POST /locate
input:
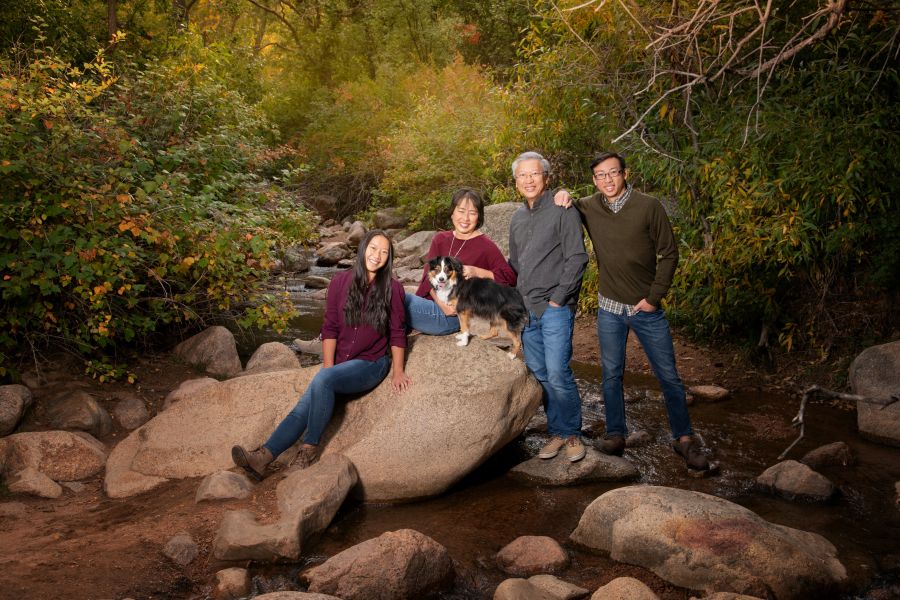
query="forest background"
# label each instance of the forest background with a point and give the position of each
(157, 155)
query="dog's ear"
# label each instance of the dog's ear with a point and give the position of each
(434, 263)
(455, 264)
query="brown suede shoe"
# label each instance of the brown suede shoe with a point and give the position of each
(305, 457)
(253, 463)
(612, 444)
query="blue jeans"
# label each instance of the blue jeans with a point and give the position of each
(314, 409)
(652, 330)
(547, 343)
(426, 316)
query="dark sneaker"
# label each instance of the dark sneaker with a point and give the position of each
(612, 444)
(552, 447)
(692, 454)
(254, 463)
(574, 449)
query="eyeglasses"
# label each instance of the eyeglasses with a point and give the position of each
(534, 175)
(612, 174)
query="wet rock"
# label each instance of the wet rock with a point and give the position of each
(316, 282)
(231, 584)
(708, 393)
(131, 412)
(346, 263)
(875, 373)
(521, 589)
(356, 232)
(223, 485)
(624, 588)
(699, 541)
(330, 253)
(557, 588)
(60, 455)
(296, 259)
(79, 410)
(295, 596)
(181, 549)
(637, 438)
(272, 356)
(496, 223)
(794, 480)
(14, 401)
(394, 566)
(595, 466)
(389, 218)
(473, 418)
(897, 494)
(532, 554)
(187, 389)
(726, 596)
(837, 454)
(32, 482)
(307, 501)
(213, 350)
(415, 245)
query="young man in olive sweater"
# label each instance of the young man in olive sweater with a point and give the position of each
(636, 259)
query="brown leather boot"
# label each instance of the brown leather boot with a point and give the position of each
(612, 444)
(306, 456)
(253, 463)
(690, 451)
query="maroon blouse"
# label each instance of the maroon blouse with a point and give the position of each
(476, 252)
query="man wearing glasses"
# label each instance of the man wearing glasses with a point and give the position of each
(546, 250)
(636, 258)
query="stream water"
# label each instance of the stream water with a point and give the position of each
(747, 432)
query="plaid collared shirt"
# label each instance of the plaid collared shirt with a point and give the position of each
(608, 304)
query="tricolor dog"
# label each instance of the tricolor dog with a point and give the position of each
(485, 298)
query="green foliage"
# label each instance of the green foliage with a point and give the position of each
(131, 204)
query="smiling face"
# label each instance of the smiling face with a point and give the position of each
(464, 218)
(530, 179)
(609, 177)
(377, 253)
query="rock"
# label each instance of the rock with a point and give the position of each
(897, 493)
(181, 549)
(394, 566)
(532, 554)
(356, 232)
(272, 356)
(637, 438)
(131, 412)
(330, 253)
(324, 204)
(346, 263)
(416, 245)
(231, 584)
(471, 419)
(557, 588)
(875, 373)
(595, 466)
(836, 454)
(14, 401)
(296, 259)
(624, 588)
(60, 455)
(76, 487)
(794, 480)
(726, 596)
(408, 276)
(703, 542)
(316, 282)
(295, 596)
(31, 481)
(307, 501)
(408, 262)
(186, 389)
(79, 410)
(708, 393)
(496, 223)
(389, 218)
(13, 510)
(213, 350)
(521, 589)
(223, 485)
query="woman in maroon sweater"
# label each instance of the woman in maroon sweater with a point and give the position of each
(364, 315)
(480, 258)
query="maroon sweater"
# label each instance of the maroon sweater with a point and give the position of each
(476, 252)
(362, 341)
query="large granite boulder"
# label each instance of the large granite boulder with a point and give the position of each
(496, 223)
(875, 373)
(415, 245)
(14, 401)
(595, 466)
(796, 481)
(390, 218)
(60, 455)
(404, 445)
(331, 253)
(703, 542)
(272, 356)
(214, 350)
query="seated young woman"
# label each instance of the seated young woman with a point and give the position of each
(480, 258)
(363, 336)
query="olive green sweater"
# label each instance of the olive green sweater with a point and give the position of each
(635, 248)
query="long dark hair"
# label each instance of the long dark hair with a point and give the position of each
(365, 303)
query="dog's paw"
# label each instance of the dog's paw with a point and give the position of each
(511, 355)
(462, 339)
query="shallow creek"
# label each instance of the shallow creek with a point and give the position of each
(747, 432)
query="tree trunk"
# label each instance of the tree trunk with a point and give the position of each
(112, 20)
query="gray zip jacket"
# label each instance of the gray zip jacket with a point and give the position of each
(546, 250)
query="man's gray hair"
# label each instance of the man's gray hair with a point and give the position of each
(545, 164)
